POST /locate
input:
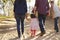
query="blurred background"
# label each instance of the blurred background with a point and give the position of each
(6, 7)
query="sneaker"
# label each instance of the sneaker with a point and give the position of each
(56, 30)
(18, 39)
(41, 34)
(22, 37)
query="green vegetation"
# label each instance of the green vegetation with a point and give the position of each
(7, 0)
(4, 17)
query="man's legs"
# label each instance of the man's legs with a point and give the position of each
(40, 18)
(56, 24)
(44, 18)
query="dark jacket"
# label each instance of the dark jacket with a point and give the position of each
(20, 7)
(42, 6)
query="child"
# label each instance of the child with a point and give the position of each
(56, 15)
(33, 20)
(33, 24)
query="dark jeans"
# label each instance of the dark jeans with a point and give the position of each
(20, 19)
(56, 24)
(41, 19)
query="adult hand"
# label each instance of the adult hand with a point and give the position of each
(35, 8)
(48, 13)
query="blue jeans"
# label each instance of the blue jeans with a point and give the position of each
(41, 19)
(20, 19)
(56, 24)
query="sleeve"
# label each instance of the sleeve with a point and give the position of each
(26, 5)
(47, 5)
(14, 5)
(36, 2)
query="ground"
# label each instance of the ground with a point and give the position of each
(8, 31)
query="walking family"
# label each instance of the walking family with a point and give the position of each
(42, 7)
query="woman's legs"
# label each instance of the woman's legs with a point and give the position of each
(22, 25)
(20, 19)
(18, 26)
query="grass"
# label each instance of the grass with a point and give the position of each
(4, 17)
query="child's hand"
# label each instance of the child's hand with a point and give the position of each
(34, 10)
(28, 16)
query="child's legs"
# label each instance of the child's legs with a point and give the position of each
(56, 23)
(33, 32)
